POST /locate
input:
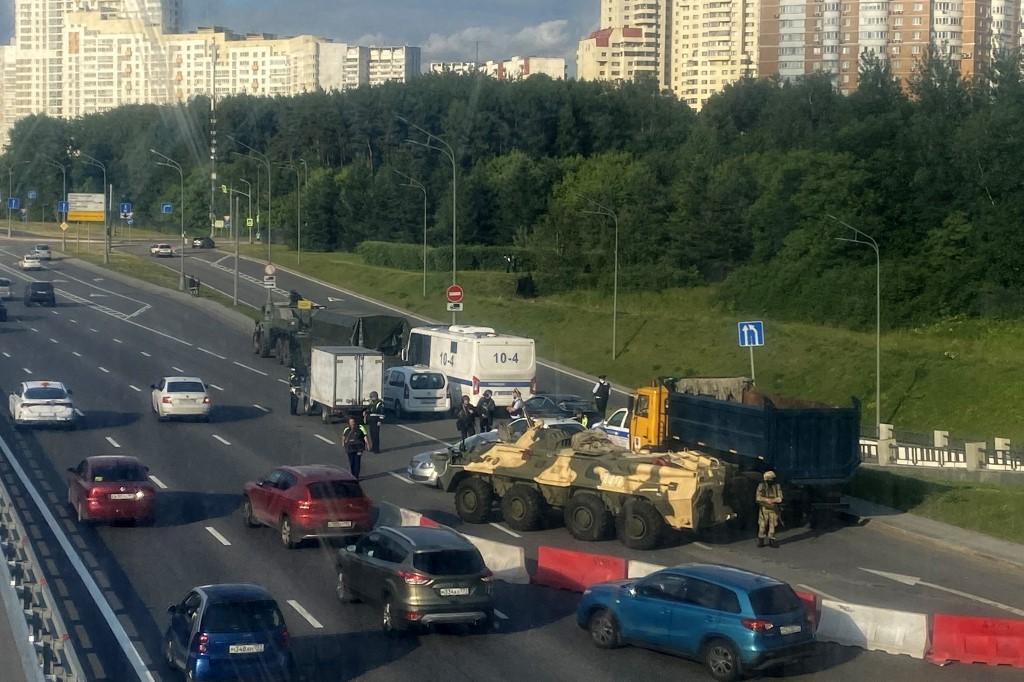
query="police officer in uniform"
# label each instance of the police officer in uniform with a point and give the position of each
(353, 438)
(374, 419)
(602, 390)
(582, 419)
(769, 498)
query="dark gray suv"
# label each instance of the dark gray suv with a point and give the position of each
(417, 576)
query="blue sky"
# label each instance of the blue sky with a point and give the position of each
(445, 29)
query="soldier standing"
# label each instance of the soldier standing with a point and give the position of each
(374, 419)
(465, 420)
(353, 438)
(602, 390)
(485, 408)
(769, 497)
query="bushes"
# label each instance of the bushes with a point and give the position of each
(439, 259)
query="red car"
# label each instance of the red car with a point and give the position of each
(111, 488)
(311, 501)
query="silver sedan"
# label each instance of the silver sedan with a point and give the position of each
(180, 397)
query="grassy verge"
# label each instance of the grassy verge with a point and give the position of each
(87, 230)
(993, 510)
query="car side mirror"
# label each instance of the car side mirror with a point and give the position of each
(262, 483)
(72, 470)
(631, 590)
(350, 548)
(153, 386)
(68, 391)
(172, 609)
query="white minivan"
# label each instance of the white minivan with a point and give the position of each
(415, 389)
(5, 288)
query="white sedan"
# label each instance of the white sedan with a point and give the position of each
(42, 402)
(42, 251)
(161, 250)
(30, 261)
(180, 397)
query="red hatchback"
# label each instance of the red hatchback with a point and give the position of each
(311, 501)
(111, 488)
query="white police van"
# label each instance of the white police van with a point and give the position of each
(476, 359)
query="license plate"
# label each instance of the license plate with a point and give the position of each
(122, 496)
(454, 591)
(339, 524)
(245, 648)
(790, 629)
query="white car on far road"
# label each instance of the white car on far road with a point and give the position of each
(42, 251)
(161, 250)
(180, 397)
(30, 261)
(42, 403)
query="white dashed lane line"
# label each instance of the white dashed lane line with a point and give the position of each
(216, 387)
(53, 340)
(178, 369)
(701, 545)
(503, 529)
(210, 352)
(104, 370)
(34, 329)
(118, 341)
(401, 478)
(54, 312)
(220, 538)
(261, 408)
(253, 369)
(6, 354)
(26, 370)
(135, 388)
(76, 353)
(113, 443)
(301, 610)
(79, 412)
(156, 481)
(326, 440)
(284, 381)
(221, 440)
(145, 354)
(94, 331)
(72, 321)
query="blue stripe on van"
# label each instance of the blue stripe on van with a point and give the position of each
(491, 384)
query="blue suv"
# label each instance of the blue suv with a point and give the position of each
(732, 620)
(228, 632)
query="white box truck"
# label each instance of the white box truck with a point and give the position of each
(339, 382)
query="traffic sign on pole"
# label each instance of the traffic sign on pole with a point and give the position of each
(249, 222)
(750, 335)
(64, 227)
(32, 195)
(269, 282)
(270, 270)
(455, 307)
(126, 207)
(166, 207)
(62, 207)
(13, 203)
(455, 293)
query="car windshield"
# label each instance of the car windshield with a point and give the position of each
(40, 286)
(4, 282)
(774, 600)
(424, 381)
(45, 393)
(42, 247)
(334, 490)
(118, 472)
(448, 562)
(185, 387)
(250, 616)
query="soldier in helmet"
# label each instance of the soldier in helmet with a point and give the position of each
(769, 498)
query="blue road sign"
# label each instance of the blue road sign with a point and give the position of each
(750, 333)
(126, 207)
(62, 207)
(32, 195)
(13, 203)
(166, 207)
(131, 221)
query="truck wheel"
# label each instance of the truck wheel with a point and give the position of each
(293, 404)
(587, 518)
(523, 507)
(640, 526)
(473, 500)
(307, 407)
(325, 414)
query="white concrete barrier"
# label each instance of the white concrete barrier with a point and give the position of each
(393, 515)
(639, 569)
(867, 627)
(507, 562)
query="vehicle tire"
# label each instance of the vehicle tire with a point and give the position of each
(306, 407)
(284, 533)
(257, 347)
(80, 512)
(523, 508)
(388, 623)
(293, 404)
(604, 630)
(721, 660)
(587, 518)
(640, 526)
(399, 412)
(474, 498)
(345, 595)
(248, 518)
(168, 656)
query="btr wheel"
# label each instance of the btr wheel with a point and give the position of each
(640, 525)
(721, 660)
(604, 630)
(586, 518)
(474, 498)
(523, 508)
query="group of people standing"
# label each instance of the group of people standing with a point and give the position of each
(467, 414)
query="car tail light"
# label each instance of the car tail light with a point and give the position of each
(757, 624)
(533, 385)
(285, 637)
(95, 493)
(206, 400)
(412, 615)
(166, 400)
(202, 643)
(476, 386)
(405, 394)
(487, 576)
(306, 504)
(413, 578)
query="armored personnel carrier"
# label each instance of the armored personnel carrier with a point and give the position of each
(599, 487)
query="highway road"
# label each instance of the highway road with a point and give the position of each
(109, 340)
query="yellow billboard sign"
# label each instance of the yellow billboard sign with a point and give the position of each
(86, 208)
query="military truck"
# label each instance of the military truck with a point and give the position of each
(599, 487)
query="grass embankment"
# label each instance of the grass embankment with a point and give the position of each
(84, 231)
(994, 510)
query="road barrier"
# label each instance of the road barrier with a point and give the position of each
(575, 571)
(639, 569)
(506, 562)
(867, 627)
(392, 515)
(994, 641)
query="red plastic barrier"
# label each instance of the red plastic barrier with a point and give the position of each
(812, 606)
(568, 570)
(429, 522)
(995, 641)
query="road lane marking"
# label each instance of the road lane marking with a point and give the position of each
(261, 408)
(79, 412)
(104, 370)
(210, 352)
(26, 370)
(54, 312)
(220, 538)
(34, 329)
(818, 592)
(300, 609)
(158, 482)
(503, 529)
(216, 387)
(326, 440)
(6, 354)
(178, 369)
(135, 388)
(400, 477)
(914, 580)
(284, 382)
(94, 331)
(701, 545)
(53, 340)
(253, 369)
(76, 353)
(218, 438)
(421, 434)
(118, 341)
(499, 614)
(73, 321)
(113, 442)
(145, 354)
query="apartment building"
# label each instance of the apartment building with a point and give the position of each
(713, 43)
(459, 68)
(653, 18)
(619, 54)
(393, 64)
(515, 68)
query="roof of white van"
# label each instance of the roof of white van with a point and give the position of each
(466, 330)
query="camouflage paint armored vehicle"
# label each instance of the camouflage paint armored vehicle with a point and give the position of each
(598, 486)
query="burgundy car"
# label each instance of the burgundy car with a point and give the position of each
(111, 488)
(310, 501)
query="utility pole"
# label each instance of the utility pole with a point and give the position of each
(599, 209)
(213, 139)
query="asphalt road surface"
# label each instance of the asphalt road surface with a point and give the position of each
(109, 341)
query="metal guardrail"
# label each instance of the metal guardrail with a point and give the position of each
(1008, 460)
(47, 634)
(868, 452)
(920, 455)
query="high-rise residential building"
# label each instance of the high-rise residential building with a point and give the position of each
(651, 17)
(618, 54)
(515, 68)
(459, 68)
(393, 64)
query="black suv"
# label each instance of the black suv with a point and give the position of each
(417, 576)
(202, 243)
(40, 292)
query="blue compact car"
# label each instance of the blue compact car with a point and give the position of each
(228, 632)
(732, 620)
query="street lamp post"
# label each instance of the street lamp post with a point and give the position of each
(270, 191)
(600, 209)
(233, 195)
(64, 198)
(868, 240)
(298, 210)
(248, 215)
(446, 150)
(412, 182)
(171, 163)
(92, 161)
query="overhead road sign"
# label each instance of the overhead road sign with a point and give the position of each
(86, 208)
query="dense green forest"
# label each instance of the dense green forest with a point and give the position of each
(738, 195)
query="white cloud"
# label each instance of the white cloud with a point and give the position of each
(371, 39)
(547, 39)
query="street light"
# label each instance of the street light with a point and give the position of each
(64, 198)
(248, 215)
(599, 209)
(867, 240)
(412, 182)
(10, 193)
(298, 209)
(171, 163)
(93, 161)
(447, 150)
(233, 203)
(270, 191)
